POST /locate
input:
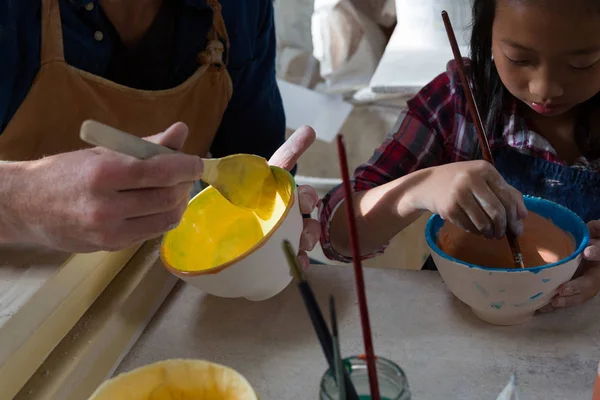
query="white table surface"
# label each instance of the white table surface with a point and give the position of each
(445, 351)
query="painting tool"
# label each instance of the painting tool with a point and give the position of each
(339, 364)
(245, 180)
(358, 272)
(481, 135)
(316, 316)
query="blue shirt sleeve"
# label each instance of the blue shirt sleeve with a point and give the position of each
(254, 121)
(8, 57)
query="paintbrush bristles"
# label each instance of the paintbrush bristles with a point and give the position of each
(294, 264)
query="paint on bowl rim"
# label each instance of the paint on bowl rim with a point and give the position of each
(435, 222)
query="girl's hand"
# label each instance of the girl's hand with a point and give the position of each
(472, 195)
(587, 280)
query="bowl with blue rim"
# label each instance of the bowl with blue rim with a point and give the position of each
(510, 296)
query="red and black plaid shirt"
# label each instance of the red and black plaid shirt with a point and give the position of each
(435, 129)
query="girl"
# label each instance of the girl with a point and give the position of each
(535, 67)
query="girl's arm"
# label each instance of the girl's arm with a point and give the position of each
(380, 213)
(383, 184)
(423, 165)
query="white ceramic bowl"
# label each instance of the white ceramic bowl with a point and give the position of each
(510, 296)
(227, 252)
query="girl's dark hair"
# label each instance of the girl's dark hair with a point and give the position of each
(491, 96)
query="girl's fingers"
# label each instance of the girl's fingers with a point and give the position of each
(459, 218)
(477, 216)
(513, 204)
(592, 252)
(493, 207)
(594, 227)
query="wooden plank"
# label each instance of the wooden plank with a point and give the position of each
(41, 318)
(23, 270)
(93, 349)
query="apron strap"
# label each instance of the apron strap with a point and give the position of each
(52, 38)
(218, 30)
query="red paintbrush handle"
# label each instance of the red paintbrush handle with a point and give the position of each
(358, 272)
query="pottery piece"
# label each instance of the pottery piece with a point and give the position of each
(228, 251)
(510, 296)
(177, 379)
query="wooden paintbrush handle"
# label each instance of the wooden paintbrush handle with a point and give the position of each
(481, 135)
(98, 134)
(515, 249)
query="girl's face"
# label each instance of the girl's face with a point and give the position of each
(547, 52)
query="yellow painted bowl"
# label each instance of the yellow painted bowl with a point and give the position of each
(228, 251)
(177, 379)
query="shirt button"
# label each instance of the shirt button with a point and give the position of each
(89, 6)
(98, 36)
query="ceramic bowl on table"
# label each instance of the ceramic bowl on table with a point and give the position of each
(175, 379)
(228, 251)
(510, 296)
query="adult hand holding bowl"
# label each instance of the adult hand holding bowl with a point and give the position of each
(229, 251)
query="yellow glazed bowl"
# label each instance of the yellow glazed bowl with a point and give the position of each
(177, 379)
(228, 251)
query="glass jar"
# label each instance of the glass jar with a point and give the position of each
(393, 384)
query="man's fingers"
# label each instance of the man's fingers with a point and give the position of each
(144, 202)
(310, 234)
(308, 199)
(160, 171)
(288, 154)
(304, 260)
(174, 137)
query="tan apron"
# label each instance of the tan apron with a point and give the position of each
(62, 97)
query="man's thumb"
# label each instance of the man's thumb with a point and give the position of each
(174, 137)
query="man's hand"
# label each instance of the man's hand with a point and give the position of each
(96, 199)
(286, 157)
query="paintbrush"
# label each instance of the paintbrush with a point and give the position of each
(358, 272)
(481, 136)
(337, 356)
(316, 316)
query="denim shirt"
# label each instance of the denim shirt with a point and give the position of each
(254, 121)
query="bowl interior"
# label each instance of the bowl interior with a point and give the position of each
(214, 233)
(561, 216)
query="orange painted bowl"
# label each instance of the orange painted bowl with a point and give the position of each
(177, 379)
(228, 251)
(510, 296)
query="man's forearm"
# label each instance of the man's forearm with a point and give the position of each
(10, 179)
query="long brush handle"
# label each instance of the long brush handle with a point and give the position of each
(482, 137)
(358, 272)
(324, 336)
